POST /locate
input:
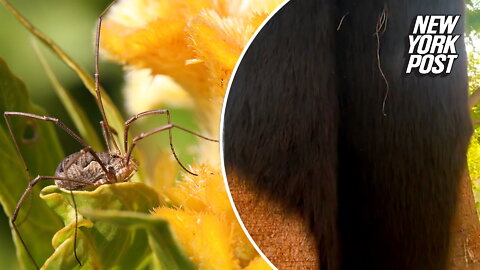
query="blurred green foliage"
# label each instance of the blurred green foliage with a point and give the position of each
(108, 245)
(42, 152)
(71, 25)
(472, 41)
(473, 16)
(474, 85)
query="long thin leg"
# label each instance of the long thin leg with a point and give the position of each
(105, 136)
(76, 229)
(97, 73)
(31, 184)
(10, 130)
(138, 116)
(27, 213)
(107, 174)
(59, 123)
(166, 127)
(170, 137)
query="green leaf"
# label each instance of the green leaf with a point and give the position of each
(100, 245)
(472, 20)
(39, 145)
(75, 111)
(114, 117)
(168, 253)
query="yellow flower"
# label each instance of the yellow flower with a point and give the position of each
(195, 42)
(257, 264)
(147, 92)
(182, 53)
(205, 224)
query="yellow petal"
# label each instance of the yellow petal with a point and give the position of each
(196, 43)
(258, 264)
(144, 91)
(203, 193)
(206, 238)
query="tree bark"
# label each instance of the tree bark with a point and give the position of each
(466, 231)
(281, 236)
(287, 243)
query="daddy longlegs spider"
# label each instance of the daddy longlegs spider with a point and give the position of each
(87, 167)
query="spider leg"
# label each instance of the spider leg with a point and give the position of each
(59, 123)
(105, 136)
(168, 127)
(72, 161)
(97, 76)
(147, 113)
(86, 148)
(138, 116)
(31, 184)
(8, 115)
(76, 229)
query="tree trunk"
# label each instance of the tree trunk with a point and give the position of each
(466, 231)
(285, 240)
(281, 236)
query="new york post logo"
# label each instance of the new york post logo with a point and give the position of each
(432, 44)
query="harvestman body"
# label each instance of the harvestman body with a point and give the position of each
(88, 168)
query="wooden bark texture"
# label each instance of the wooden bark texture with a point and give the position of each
(466, 231)
(287, 243)
(282, 237)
